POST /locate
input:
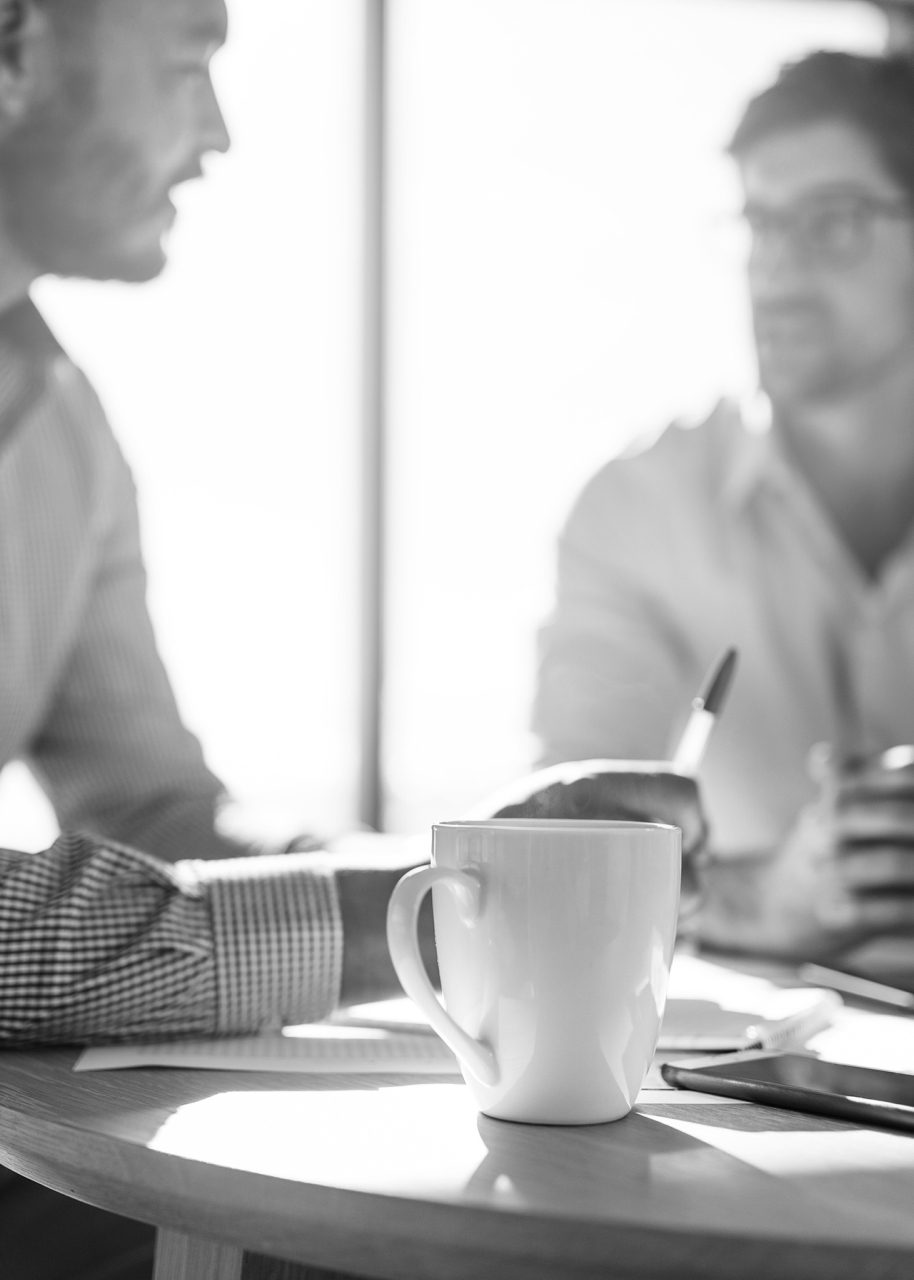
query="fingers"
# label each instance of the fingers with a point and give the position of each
(886, 776)
(882, 868)
(872, 821)
(874, 890)
(874, 849)
(867, 914)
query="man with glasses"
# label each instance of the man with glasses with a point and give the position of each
(785, 528)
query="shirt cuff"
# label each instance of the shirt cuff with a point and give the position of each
(278, 939)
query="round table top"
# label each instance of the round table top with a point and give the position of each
(400, 1177)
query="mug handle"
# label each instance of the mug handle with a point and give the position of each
(402, 923)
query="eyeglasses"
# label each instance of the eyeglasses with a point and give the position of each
(824, 231)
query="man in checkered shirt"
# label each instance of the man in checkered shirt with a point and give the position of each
(105, 106)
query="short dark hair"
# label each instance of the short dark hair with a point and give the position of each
(875, 93)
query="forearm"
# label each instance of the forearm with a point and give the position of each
(101, 941)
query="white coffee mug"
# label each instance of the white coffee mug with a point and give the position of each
(554, 942)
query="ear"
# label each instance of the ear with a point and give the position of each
(25, 58)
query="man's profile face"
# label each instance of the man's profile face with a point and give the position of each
(833, 310)
(86, 180)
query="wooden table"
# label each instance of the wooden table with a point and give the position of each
(399, 1178)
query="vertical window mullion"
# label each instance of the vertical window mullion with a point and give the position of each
(373, 458)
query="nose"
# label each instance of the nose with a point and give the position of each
(778, 264)
(213, 131)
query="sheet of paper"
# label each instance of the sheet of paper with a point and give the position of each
(709, 1008)
(316, 1049)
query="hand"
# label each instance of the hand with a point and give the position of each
(789, 903)
(366, 871)
(844, 874)
(633, 790)
(874, 840)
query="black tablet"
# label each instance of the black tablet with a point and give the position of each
(801, 1082)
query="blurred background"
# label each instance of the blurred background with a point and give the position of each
(461, 253)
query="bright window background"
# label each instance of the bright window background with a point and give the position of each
(555, 289)
(232, 383)
(553, 175)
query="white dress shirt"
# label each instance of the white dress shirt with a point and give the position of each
(84, 697)
(98, 939)
(707, 538)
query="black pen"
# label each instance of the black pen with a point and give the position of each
(705, 710)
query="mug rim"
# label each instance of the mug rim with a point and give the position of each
(552, 824)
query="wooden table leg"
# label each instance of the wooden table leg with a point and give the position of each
(183, 1257)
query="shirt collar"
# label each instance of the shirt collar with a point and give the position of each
(23, 330)
(755, 456)
(27, 349)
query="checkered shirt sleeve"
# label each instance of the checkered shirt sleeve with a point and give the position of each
(99, 941)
